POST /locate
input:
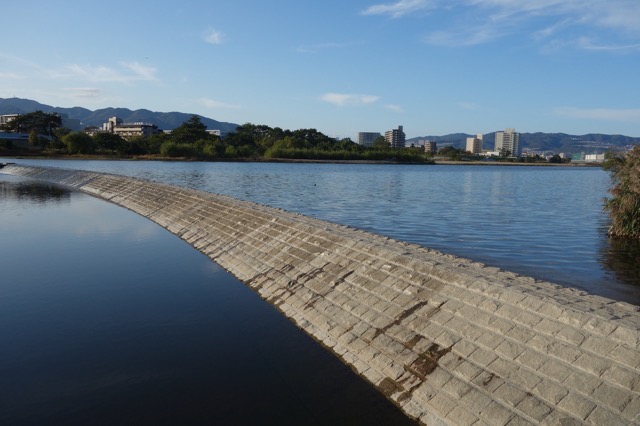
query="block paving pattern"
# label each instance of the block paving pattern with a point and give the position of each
(449, 340)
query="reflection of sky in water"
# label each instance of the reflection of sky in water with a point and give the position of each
(106, 318)
(539, 221)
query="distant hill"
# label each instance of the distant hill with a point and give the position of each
(556, 142)
(164, 120)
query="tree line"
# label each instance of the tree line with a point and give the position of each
(192, 141)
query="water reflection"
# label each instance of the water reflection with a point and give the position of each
(118, 328)
(34, 192)
(622, 257)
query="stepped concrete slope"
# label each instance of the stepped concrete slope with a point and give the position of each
(449, 340)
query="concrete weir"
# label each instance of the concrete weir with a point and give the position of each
(449, 340)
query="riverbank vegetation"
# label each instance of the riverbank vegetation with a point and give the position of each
(192, 141)
(624, 205)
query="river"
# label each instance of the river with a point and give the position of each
(545, 222)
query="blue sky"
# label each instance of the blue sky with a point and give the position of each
(433, 66)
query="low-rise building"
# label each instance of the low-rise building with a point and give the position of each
(6, 118)
(430, 147)
(129, 130)
(594, 158)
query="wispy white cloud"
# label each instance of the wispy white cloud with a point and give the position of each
(464, 36)
(82, 92)
(140, 72)
(399, 9)
(211, 103)
(342, 99)
(589, 44)
(604, 114)
(126, 73)
(551, 22)
(10, 76)
(213, 36)
(394, 108)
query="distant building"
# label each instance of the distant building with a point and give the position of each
(14, 140)
(395, 138)
(367, 138)
(474, 144)
(430, 147)
(594, 158)
(6, 118)
(66, 122)
(129, 130)
(509, 140)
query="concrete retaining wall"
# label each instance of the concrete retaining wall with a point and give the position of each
(451, 341)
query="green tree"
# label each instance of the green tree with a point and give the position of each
(624, 205)
(109, 141)
(79, 143)
(380, 143)
(34, 138)
(40, 122)
(505, 153)
(190, 131)
(451, 152)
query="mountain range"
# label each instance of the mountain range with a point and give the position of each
(556, 142)
(164, 120)
(553, 142)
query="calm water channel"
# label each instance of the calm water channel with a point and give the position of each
(106, 318)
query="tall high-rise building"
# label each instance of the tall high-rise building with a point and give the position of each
(395, 138)
(474, 145)
(367, 138)
(509, 140)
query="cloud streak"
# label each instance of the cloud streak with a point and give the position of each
(398, 9)
(127, 72)
(342, 99)
(83, 92)
(213, 104)
(557, 22)
(213, 36)
(394, 108)
(603, 114)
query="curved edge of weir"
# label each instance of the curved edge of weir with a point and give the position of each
(449, 340)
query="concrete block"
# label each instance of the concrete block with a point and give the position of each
(534, 408)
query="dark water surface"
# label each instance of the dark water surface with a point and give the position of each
(106, 318)
(545, 222)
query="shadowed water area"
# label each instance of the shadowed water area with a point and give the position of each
(106, 318)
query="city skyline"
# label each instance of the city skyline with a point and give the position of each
(436, 67)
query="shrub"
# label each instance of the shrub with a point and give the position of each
(624, 205)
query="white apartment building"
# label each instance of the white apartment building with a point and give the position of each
(474, 144)
(129, 130)
(509, 140)
(6, 118)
